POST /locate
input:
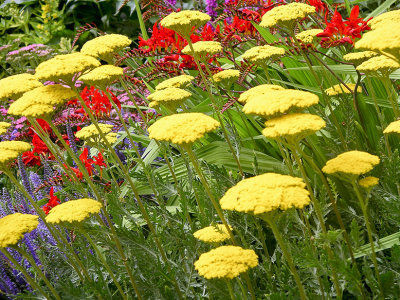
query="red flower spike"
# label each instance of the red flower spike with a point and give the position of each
(87, 161)
(99, 160)
(53, 201)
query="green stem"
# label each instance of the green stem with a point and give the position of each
(391, 95)
(230, 289)
(143, 28)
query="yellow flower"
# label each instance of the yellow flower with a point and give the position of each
(225, 262)
(203, 48)
(359, 57)
(3, 127)
(340, 89)
(212, 234)
(28, 109)
(105, 46)
(293, 126)
(65, 66)
(73, 211)
(91, 131)
(17, 146)
(102, 76)
(181, 82)
(390, 16)
(182, 22)
(7, 156)
(286, 15)
(13, 227)
(352, 163)
(368, 182)
(279, 102)
(308, 36)
(393, 127)
(226, 77)
(170, 94)
(258, 91)
(265, 193)
(379, 65)
(182, 129)
(262, 54)
(48, 95)
(12, 87)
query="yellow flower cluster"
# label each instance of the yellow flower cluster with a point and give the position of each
(181, 81)
(3, 127)
(73, 211)
(258, 91)
(213, 234)
(262, 54)
(308, 36)
(102, 76)
(293, 126)
(286, 15)
(225, 262)
(182, 129)
(368, 182)
(393, 127)
(65, 66)
(92, 132)
(226, 77)
(13, 227)
(379, 65)
(352, 163)
(340, 89)
(359, 57)
(203, 48)
(279, 102)
(171, 97)
(388, 17)
(265, 193)
(105, 46)
(10, 150)
(182, 22)
(12, 87)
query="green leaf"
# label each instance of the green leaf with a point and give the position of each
(383, 243)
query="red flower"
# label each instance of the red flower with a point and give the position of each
(99, 160)
(84, 157)
(53, 201)
(77, 172)
(30, 159)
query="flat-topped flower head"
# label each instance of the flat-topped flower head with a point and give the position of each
(55, 94)
(182, 129)
(213, 234)
(263, 54)
(181, 81)
(203, 49)
(265, 193)
(102, 76)
(65, 66)
(286, 15)
(340, 89)
(170, 97)
(393, 127)
(382, 19)
(293, 127)
(7, 156)
(73, 211)
(226, 77)
(18, 146)
(91, 131)
(258, 91)
(351, 163)
(13, 227)
(359, 57)
(368, 182)
(12, 87)
(308, 36)
(105, 46)
(225, 262)
(26, 108)
(3, 127)
(379, 66)
(185, 21)
(279, 102)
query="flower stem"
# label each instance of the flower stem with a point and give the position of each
(230, 289)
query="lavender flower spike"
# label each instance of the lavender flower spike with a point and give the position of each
(24, 177)
(71, 138)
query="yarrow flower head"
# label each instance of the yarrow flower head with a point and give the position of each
(359, 57)
(13, 227)
(12, 87)
(308, 36)
(183, 128)
(73, 211)
(393, 127)
(212, 234)
(31, 110)
(185, 21)
(10, 150)
(385, 18)
(91, 131)
(293, 127)
(171, 97)
(340, 89)
(3, 127)
(260, 55)
(203, 48)
(266, 193)
(105, 46)
(102, 76)
(181, 81)
(351, 164)
(379, 66)
(286, 15)
(226, 77)
(226, 262)
(368, 182)
(279, 102)
(65, 66)
(258, 91)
